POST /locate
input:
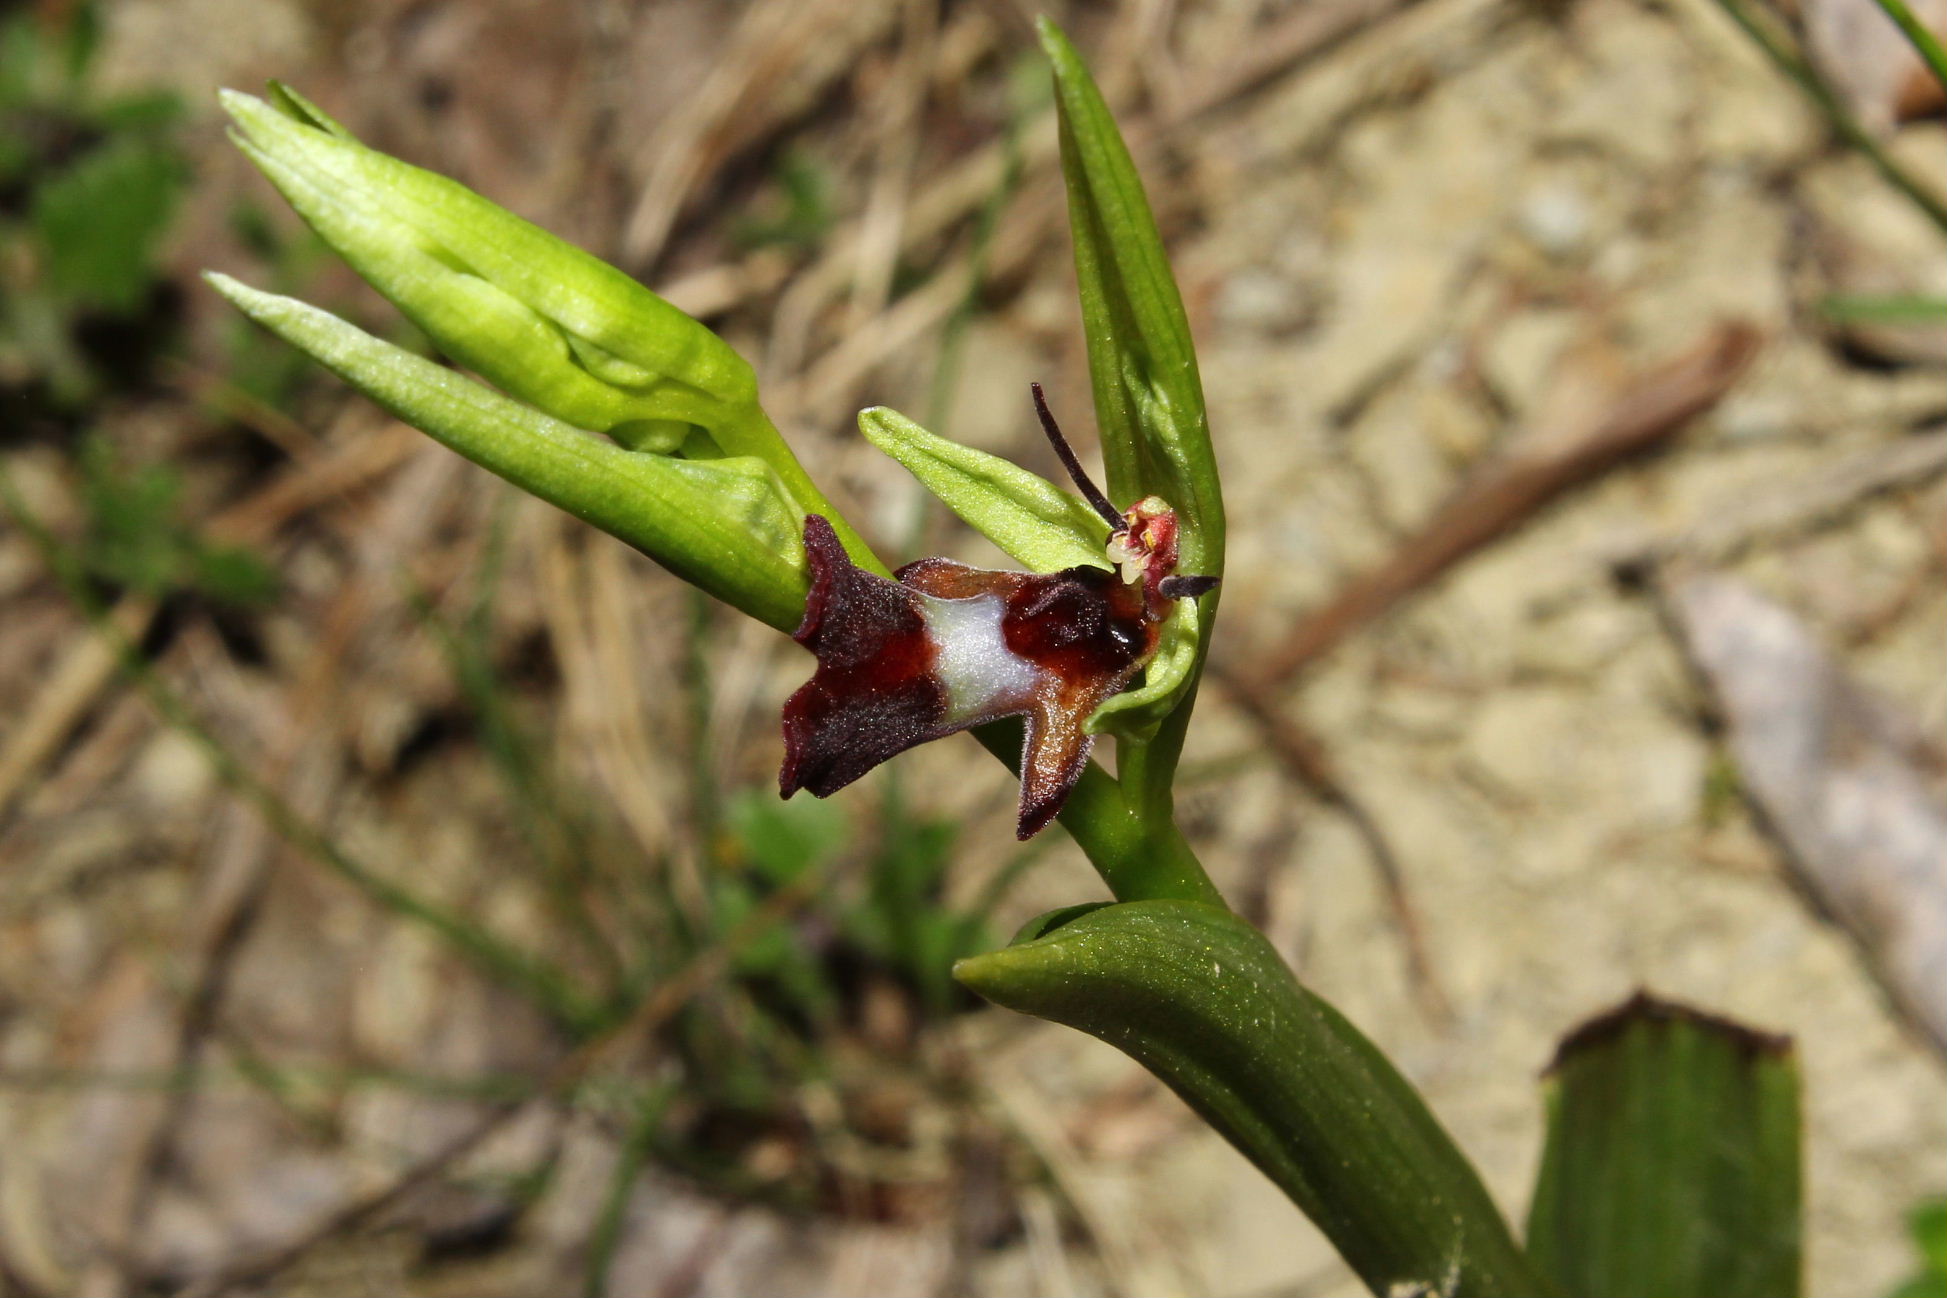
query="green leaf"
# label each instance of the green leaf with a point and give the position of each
(1928, 1224)
(725, 525)
(1197, 996)
(1043, 527)
(98, 223)
(1672, 1167)
(1148, 396)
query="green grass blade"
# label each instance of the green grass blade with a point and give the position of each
(1672, 1163)
(1198, 997)
(1868, 308)
(1925, 43)
(1764, 33)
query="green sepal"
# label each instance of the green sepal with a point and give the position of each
(1039, 524)
(1200, 998)
(1149, 406)
(1672, 1164)
(726, 524)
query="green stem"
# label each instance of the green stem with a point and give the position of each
(1142, 857)
(1923, 39)
(1842, 121)
(755, 434)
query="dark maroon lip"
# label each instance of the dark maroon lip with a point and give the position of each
(877, 690)
(874, 693)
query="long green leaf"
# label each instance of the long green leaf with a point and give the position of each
(1672, 1163)
(1197, 996)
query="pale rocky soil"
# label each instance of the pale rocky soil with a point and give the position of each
(1445, 230)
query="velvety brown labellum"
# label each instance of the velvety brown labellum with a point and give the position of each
(947, 647)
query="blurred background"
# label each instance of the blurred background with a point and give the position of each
(411, 909)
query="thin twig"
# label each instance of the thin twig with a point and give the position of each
(644, 1020)
(1508, 492)
(1305, 760)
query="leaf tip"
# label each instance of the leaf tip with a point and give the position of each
(238, 104)
(1643, 1008)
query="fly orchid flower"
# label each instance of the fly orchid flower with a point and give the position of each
(947, 646)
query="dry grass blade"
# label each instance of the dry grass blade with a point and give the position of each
(79, 677)
(740, 103)
(638, 1026)
(948, 199)
(1304, 760)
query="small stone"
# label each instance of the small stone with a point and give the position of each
(1555, 218)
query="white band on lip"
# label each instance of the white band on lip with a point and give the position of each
(982, 676)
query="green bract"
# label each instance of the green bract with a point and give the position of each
(725, 524)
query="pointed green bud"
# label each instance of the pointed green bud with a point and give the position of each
(725, 524)
(537, 317)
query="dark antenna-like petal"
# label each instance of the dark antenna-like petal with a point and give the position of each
(1090, 492)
